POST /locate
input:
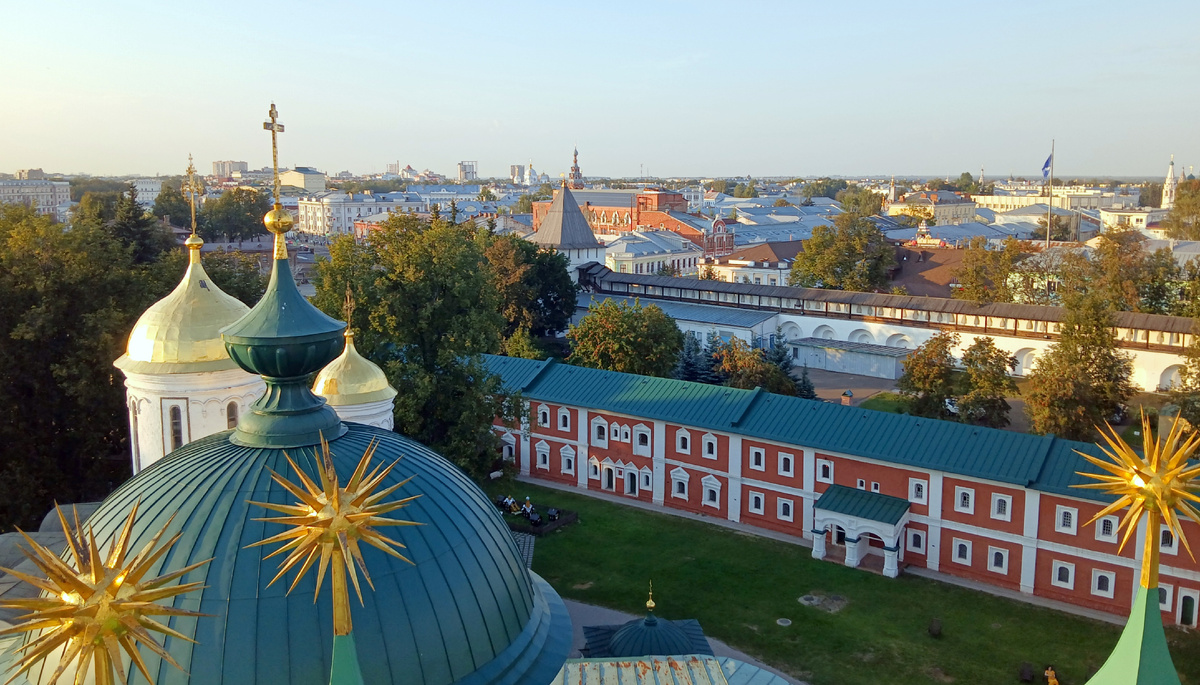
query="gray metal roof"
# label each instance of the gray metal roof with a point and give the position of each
(848, 346)
(564, 226)
(686, 311)
(1134, 320)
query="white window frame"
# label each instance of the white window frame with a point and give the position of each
(959, 491)
(821, 464)
(762, 458)
(647, 478)
(637, 480)
(543, 413)
(954, 543)
(1059, 510)
(908, 541)
(597, 422)
(614, 432)
(1055, 566)
(762, 502)
(1171, 549)
(626, 436)
(638, 448)
(1097, 573)
(683, 441)
(921, 497)
(997, 498)
(679, 475)
(564, 416)
(1003, 568)
(594, 469)
(1166, 596)
(1112, 537)
(567, 459)
(542, 450)
(779, 504)
(711, 485)
(791, 464)
(861, 483)
(710, 439)
(875, 486)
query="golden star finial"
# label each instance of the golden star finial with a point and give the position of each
(97, 608)
(1156, 484)
(328, 523)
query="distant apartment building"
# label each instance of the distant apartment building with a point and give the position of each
(943, 206)
(1144, 219)
(516, 173)
(52, 198)
(393, 169)
(649, 252)
(304, 177)
(225, 169)
(649, 209)
(333, 212)
(762, 264)
(30, 175)
(468, 171)
(1071, 198)
(147, 191)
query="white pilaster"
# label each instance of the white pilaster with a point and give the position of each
(891, 567)
(852, 552)
(809, 478)
(1033, 507)
(735, 478)
(818, 546)
(933, 541)
(659, 459)
(583, 464)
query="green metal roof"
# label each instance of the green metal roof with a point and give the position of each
(696, 669)
(466, 611)
(1042, 462)
(871, 506)
(1141, 656)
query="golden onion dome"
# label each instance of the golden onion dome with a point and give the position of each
(352, 379)
(181, 333)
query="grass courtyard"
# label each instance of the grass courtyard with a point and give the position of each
(738, 585)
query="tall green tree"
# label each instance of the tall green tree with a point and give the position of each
(1083, 378)
(824, 187)
(859, 200)
(988, 384)
(804, 386)
(852, 254)
(1151, 195)
(236, 215)
(171, 203)
(691, 364)
(146, 239)
(984, 273)
(626, 337)
(535, 290)
(929, 377)
(426, 309)
(746, 367)
(237, 274)
(1183, 222)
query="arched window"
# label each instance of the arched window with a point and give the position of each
(1064, 574)
(1002, 507)
(680, 487)
(1065, 519)
(964, 500)
(1102, 583)
(961, 553)
(1167, 539)
(601, 431)
(1106, 527)
(231, 415)
(997, 559)
(176, 415)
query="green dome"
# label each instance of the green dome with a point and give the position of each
(466, 610)
(649, 636)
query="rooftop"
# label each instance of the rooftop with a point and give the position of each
(686, 311)
(871, 506)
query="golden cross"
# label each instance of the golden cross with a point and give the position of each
(191, 188)
(275, 128)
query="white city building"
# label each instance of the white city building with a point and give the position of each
(333, 212)
(49, 197)
(147, 191)
(646, 252)
(180, 383)
(304, 177)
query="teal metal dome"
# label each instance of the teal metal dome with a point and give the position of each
(649, 636)
(466, 611)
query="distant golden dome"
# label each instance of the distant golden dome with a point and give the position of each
(181, 333)
(352, 379)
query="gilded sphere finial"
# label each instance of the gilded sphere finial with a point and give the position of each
(194, 242)
(279, 221)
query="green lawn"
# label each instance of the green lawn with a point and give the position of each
(737, 585)
(885, 401)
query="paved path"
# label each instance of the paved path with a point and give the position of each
(760, 532)
(830, 384)
(589, 615)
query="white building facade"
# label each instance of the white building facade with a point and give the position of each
(52, 198)
(334, 213)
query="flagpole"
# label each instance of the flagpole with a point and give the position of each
(1050, 204)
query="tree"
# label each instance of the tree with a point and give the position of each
(426, 309)
(1083, 378)
(522, 345)
(1062, 228)
(97, 209)
(912, 216)
(852, 254)
(804, 386)
(627, 338)
(780, 353)
(70, 300)
(746, 367)
(668, 270)
(691, 363)
(1151, 195)
(236, 215)
(171, 203)
(710, 370)
(708, 273)
(986, 275)
(719, 186)
(988, 384)
(535, 290)
(928, 378)
(486, 195)
(781, 202)
(1183, 222)
(745, 190)
(824, 187)
(860, 200)
(236, 273)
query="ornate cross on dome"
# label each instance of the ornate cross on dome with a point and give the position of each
(275, 128)
(191, 187)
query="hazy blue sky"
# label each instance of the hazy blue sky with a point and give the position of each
(685, 88)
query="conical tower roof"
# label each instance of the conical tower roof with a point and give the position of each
(565, 227)
(1141, 656)
(181, 333)
(352, 379)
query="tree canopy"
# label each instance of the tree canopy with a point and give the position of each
(1183, 222)
(535, 290)
(988, 384)
(626, 337)
(852, 254)
(859, 200)
(236, 215)
(928, 379)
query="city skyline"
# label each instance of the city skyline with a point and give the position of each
(681, 89)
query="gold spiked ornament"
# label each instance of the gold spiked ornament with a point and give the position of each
(1158, 484)
(328, 523)
(95, 608)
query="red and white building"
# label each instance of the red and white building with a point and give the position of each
(864, 487)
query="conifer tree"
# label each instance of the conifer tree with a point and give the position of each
(804, 386)
(691, 364)
(988, 384)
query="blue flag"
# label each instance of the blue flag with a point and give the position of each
(1046, 166)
